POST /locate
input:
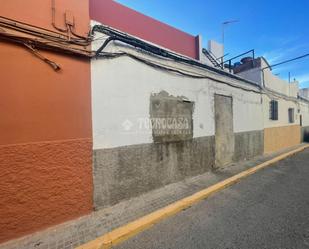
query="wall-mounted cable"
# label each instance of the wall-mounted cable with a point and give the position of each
(33, 38)
(172, 70)
(53, 64)
(115, 35)
(137, 43)
(53, 9)
(70, 28)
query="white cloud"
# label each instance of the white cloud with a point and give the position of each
(281, 54)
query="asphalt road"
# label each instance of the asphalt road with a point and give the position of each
(269, 209)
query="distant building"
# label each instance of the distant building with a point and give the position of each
(304, 93)
(259, 71)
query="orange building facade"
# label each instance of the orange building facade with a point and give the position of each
(45, 120)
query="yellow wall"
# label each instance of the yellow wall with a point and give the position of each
(277, 138)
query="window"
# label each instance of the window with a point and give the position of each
(273, 110)
(291, 115)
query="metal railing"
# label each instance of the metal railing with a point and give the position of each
(252, 51)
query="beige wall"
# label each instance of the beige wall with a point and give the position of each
(280, 134)
(279, 85)
(278, 138)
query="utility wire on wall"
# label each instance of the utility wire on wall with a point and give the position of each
(115, 35)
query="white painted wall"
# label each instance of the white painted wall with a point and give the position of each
(283, 117)
(215, 48)
(203, 59)
(121, 90)
(277, 84)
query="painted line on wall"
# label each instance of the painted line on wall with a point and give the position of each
(133, 228)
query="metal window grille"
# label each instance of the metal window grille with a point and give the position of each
(291, 115)
(273, 110)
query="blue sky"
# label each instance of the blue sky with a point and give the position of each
(276, 29)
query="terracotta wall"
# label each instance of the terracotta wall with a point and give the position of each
(45, 127)
(113, 14)
(278, 138)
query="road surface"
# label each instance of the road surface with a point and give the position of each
(269, 209)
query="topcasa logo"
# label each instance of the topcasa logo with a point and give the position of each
(127, 125)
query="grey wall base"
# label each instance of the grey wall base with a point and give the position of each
(248, 145)
(126, 172)
(305, 134)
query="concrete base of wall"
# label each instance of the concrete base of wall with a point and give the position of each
(248, 145)
(127, 172)
(305, 134)
(278, 138)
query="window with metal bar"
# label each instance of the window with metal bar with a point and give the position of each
(273, 110)
(291, 115)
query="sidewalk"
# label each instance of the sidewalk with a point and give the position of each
(80, 231)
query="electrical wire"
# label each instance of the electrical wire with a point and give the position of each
(135, 42)
(266, 91)
(48, 45)
(42, 33)
(169, 69)
(286, 61)
(22, 33)
(53, 64)
(70, 28)
(53, 8)
(115, 35)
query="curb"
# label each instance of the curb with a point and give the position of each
(133, 228)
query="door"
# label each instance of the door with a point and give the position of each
(224, 130)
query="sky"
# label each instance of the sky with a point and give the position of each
(277, 30)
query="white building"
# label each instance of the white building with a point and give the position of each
(140, 98)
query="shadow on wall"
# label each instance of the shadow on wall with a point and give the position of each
(306, 136)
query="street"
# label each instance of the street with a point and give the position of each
(269, 209)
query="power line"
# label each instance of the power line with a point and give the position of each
(283, 62)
